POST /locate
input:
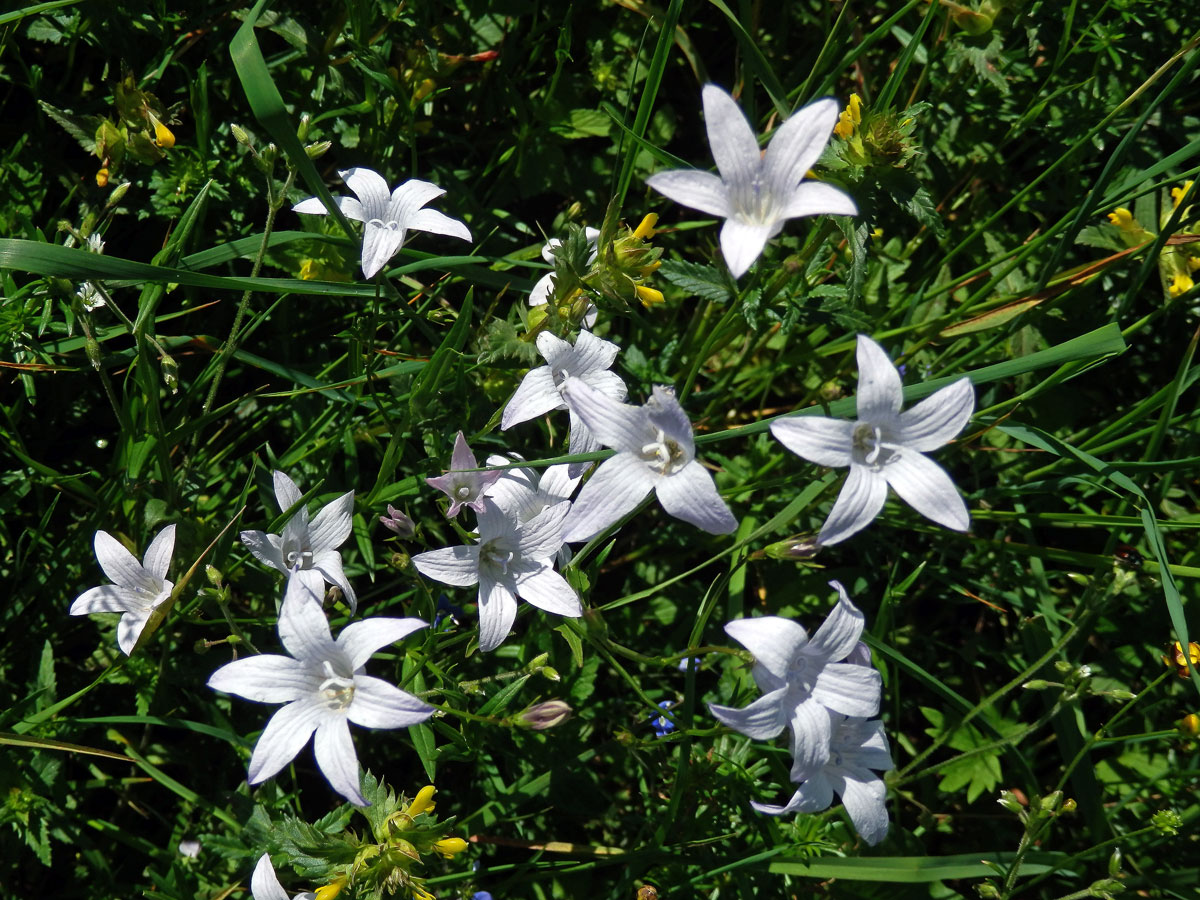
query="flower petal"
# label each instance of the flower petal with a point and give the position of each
(615, 489)
(286, 733)
(814, 795)
(743, 243)
(380, 243)
(691, 495)
(312, 206)
(548, 590)
(839, 633)
(848, 689)
(107, 598)
(497, 610)
(811, 729)
(860, 500)
(730, 137)
(694, 189)
(337, 760)
(371, 189)
(458, 566)
(263, 549)
(130, 628)
(408, 198)
(814, 198)
(774, 641)
(935, 421)
(265, 679)
(329, 564)
(158, 554)
(865, 797)
(927, 488)
(797, 144)
(826, 442)
(435, 222)
(666, 415)
(770, 809)
(286, 492)
(536, 395)
(331, 526)
(879, 390)
(303, 628)
(543, 288)
(377, 704)
(121, 566)
(591, 354)
(360, 640)
(264, 883)
(762, 720)
(615, 424)
(541, 536)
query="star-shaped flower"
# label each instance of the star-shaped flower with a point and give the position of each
(305, 550)
(324, 687)
(856, 747)
(543, 288)
(524, 492)
(756, 192)
(803, 681)
(885, 447)
(513, 558)
(264, 883)
(387, 216)
(540, 391)
(655, 452)
(139, 587)
(462, 486)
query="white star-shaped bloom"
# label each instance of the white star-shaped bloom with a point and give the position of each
(540, 391)
(804, 681)
(655, 452)
(324, 688)
(524, 492)
(264, 883)
(139, 586)
(543, 288)
(856, 747)
(755, 192)
(463, 486)
(307, 550)
(388, 217)
(885, 447)
(513, 558)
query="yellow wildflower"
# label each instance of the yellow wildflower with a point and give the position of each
(162, 134)
(850, 118)
(649, 296)
(1193, 653)
(1190, 725)
(423, 802)
(102, 177)
(1122, 218)
(450, 847)
(331, 890)
(645, 230)
(1177, 194)
(1181, 285)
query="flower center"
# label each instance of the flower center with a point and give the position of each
(390, 226)
(664, 455)
(835, 758)
(462, 492)
(338, 690)
(298, 559)
(494, 555)
(868, 441)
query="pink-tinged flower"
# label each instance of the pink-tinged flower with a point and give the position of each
(463, 487)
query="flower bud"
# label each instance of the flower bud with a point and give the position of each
(317, 150)
(214, 576)
(92, 347)
(1189, 725)
(987, 891)
(450, 847)
(1069, 805)
(1011, 802)
(118, 193)
(170, 373)
(302, 128)
(331, 890)
(239, 135)
(537, 662)
(1114, 863)
(543, 716)
(398, 522)
(1105, 888)
(1167, 821)
(798, 547)
(550, 673)
(1051, 802)
(1039, 684)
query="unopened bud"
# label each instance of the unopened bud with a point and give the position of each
(799, 547)
(987, 890)
(1010, 802)
(546, 715)
(317, 150)
(1069, 805)
(1105, 888)
(118, 193)
(1189, 725)
(450, 847)
(214, 576)
(302, 128)
(1063, 667)
(1039, 684)
(1051, 802)
(239, 135)
(398, 522)
(550, 673)
(1167, 821)
(537, 662)
(170, 373)
(102, 176)
(1114, 863)
(92, 347)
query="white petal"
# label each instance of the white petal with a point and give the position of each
(337, 760)
(121, 566)
(264, 883)
(615, 489)
(543, 288)
(762, 720)
(458, 566)
(935, 421)
(377, 704)
(731, 138)
(286, 492)
(607, 383)
(879, 389)
(814, 198)
(371, 189)
(329, 564)
(666, 415)
(352, 209)
(811, 730)
(497, 610)
(694, 189)
(536, 395)
(360, 640)
(158, 554)
(742, 244)
(848, 689)
(107, 598)
(814, 795)
(380, 243)
(312, 206)
(864, 795)
(770, 809)
(774, 641)
(548, 590)
(839, 633)
(797, 144)
(462, 457)
(285, 735)
(691, 495)
(826, 442)
(410, 197)
(130, 628)
(434, 222)
(860, 500)
(264, 679)
(925, 486)
(331, 526)
(265, 550)
(541, 536)
(303, 629)
(591, 354)
(615, 424)
(556, 483)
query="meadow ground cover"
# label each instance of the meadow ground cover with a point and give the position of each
(704, 449)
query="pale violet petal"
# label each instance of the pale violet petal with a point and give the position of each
(865, 797)
(826, 442)
(742, 243)
(691, 495)
(815, 198)
(541, 536)
(334, 750)
(380, 243)
(615, 424)
(263, 549)
(731, 139)
(666, 415)
(352, 209)
(458, 566)
(371, 189)
(130, 628)
(360, 640)
(925, 486)
(548, 590)
(121, 566)
(879, 390)
(811, 729)
(536, 395)
(107, 598)
(287, 494)
(694, 189)
(285, 735)
(770, 809)
(607, 383)
(264, 679)
(935, 421)
(774, 641)
(857, 505)
(840, 632)
(554, 350)
(434, 222)
(377, 704)
(264, 883)
(863, 744)
(814, 795)
(497, 610)
(592, 354)
(158, 554)
(797, 144)
(329, 564)
(410, 197)
(462, 457)
(762, 720)
(848, 689)
(614, 490)
(303, 628)
(331, 526)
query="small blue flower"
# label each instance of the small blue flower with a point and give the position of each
(446, 610)
(661, 724)
(481, 895)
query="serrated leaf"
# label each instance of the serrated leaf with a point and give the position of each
(583, 123)
(912, 197)
(573, 641)
(1102, 237)
(46, 684)
(82, 128)
(702, 281)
